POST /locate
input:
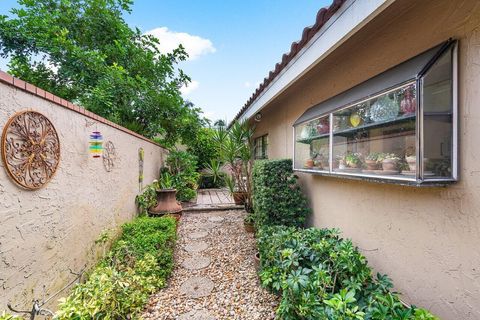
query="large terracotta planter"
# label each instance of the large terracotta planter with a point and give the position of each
(239, 197)
(166, 202)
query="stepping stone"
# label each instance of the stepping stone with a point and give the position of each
(196, 247)
(216, 219)
(206, 225)
(196, 315)
(197, 287)
(197, 235)
(196, 262)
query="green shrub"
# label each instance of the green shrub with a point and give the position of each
(322, 276)
(138, 265)
(206, 182)
(182, 166)
(277, 198)
(204, 147)
(146, 200)
(8, 316)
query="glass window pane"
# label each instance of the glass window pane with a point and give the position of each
(312, 145)
(438, 119)
(377, 136)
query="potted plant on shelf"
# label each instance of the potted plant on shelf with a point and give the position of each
(166, 197)
(411, 158)
(372, 161)
(248, 223)
(353, 160)
(390, 162)
(309, 163)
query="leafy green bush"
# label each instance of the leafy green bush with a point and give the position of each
(146, 200)
(138, 264)
(322, 276)
(8, 316)
(182, 166)
(277, 198)
(204, 147)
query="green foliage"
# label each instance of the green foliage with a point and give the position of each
(121, 284)
(277, 198)
(182, 166)
(166, 181)
(322, 276)
(84, 51)
(147, 199)
(8, 316)
(235, 147)
(213, 175)
(204, 147)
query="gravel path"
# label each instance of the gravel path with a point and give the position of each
(214, 275)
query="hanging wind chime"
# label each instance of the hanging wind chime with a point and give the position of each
(96, 144)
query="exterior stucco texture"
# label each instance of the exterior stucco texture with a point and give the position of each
(426, 239)
(46, 233)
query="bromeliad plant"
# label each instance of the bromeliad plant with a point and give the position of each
(322, 276)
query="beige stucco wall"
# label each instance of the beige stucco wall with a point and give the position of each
(426, 239)
(45, 233)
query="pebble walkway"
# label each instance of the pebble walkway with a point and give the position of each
(214, 276)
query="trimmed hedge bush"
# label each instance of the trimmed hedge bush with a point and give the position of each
(137, 266)
(322, 276)
(277, 198)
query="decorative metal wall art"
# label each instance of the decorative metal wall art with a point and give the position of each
(96, 144)
(109, 155)
(30, 149)
(141, 155)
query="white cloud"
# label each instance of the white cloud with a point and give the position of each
(170, 40)
(186, 90)
(247, 84)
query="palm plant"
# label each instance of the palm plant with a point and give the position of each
(236, 150)
(214, 170)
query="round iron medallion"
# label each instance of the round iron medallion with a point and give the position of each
(30, 149)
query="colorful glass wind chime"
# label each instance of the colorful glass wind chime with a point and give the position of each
(96, 144)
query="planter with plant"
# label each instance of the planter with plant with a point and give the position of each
(373, 161)
(236, 149)
(391, 163)
(166, 197)
(248, 223)
(353, 160)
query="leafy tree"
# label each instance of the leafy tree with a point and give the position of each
(84, 51)
(205, 147)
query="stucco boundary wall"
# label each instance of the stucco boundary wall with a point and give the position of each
(47, 233)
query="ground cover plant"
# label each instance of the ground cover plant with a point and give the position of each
(277, 198)
(319, 275)
(137, 265)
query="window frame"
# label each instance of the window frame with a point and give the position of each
(264, 151)
(419, 179)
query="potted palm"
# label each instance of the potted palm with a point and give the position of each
(166, 197)
(236, 149)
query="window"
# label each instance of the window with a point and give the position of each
(261, 147)
(399, 126)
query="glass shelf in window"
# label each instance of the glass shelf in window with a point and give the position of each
(312, 149)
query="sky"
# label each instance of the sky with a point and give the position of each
(232, 44)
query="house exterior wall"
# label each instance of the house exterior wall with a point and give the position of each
(426, 239)
(46, 232)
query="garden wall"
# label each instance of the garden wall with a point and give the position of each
(426, 239)
(47, 232)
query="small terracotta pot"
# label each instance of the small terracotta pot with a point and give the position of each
(239, 197)
(257, 261)
(249, 227)
(309, 163)
(389, 165)
(166, 202)
(372, 164)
